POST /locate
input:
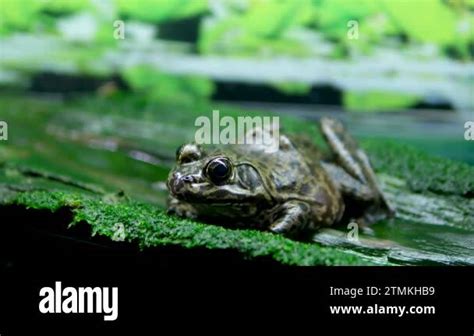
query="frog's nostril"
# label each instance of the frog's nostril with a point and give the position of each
(181, 181)
(187, 179)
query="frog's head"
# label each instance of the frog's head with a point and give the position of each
(215, 179)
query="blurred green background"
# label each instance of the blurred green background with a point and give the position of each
(303, 57)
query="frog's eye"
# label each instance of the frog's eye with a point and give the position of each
(188, 153)
(219, 170)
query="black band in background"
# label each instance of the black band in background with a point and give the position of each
(199, 289)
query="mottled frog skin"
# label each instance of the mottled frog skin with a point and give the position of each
(293, 190)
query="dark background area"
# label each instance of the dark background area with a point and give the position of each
(176, 289)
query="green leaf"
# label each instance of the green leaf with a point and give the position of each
(270, 19)
(18, 15)
(164, 87)
(333, 15)
(161, 10)
(425, 20)
(377, 101)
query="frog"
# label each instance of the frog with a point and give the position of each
(295, 190)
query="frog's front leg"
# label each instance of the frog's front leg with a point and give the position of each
(292, 217)
(180, 208)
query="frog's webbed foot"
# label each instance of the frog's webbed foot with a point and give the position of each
(181, 209)
(292, 218)
(357, 177)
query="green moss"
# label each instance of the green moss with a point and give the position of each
(151, 227)
(422, 172)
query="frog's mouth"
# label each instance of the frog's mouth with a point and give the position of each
(200, 193)
(207, 193)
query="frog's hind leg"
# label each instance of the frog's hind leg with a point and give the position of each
(343, 146)
(347, 184)
(356, 163)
